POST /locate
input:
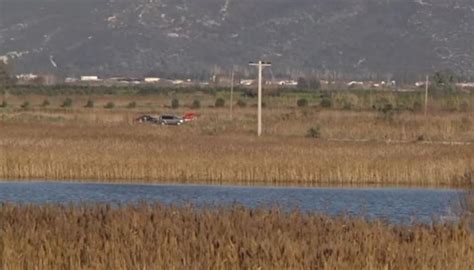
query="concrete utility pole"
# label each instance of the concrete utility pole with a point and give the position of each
(426, 94)
(231, 92)
(260, 66)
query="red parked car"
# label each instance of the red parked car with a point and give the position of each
(189, 116)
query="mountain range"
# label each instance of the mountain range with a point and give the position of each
(331, 38)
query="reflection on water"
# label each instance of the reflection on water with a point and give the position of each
(396, 205)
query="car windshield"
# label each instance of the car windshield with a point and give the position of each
(167, 117)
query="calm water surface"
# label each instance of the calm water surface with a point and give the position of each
(399, 205)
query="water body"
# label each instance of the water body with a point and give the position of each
(398, 205)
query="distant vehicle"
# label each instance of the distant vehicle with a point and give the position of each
(189, 116)
(170, 119)
(147, 119)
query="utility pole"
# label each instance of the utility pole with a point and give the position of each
(260, 66)
(231, 92)
(426, 94)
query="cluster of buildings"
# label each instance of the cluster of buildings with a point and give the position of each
(121, 80)
(215, 80)
(96, 80)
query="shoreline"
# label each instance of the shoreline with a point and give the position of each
(263, 185)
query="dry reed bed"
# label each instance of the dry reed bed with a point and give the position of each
(183, 154)
(160, 237)
(294, 122)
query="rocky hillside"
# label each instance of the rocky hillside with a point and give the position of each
(166, 37)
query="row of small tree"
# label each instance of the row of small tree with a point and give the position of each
(219, 103)
(308, 83)
(5, 78)
(67, 103)
(175, 103)
(325, 102)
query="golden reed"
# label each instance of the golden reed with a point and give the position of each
(128, 152)
(355, 147)
(160, 237)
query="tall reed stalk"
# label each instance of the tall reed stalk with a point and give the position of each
(160, 237)
(182, 154)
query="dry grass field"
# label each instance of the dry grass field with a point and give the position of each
(161, 237)
(354, 146)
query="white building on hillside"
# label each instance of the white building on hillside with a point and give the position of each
(151, 80)
(89, 78)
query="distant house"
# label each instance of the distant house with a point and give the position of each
(26, 77)
(124, 80)
(355, 84)
(421, 84)
(90, 78)
(70, 80)
(45, 79)
(287, 83)
(151, 80)
(465, 85)
(176, 82)
(247, 82)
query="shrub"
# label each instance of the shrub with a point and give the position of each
(175, 103)
(464, 106)
(196, 104)
(220, 102)
(314, 132)
(302, 102)
(386, 111)
(4, 104)
(89, 104)
(109, 105)
(241, 103)
(45, 103)
(264, 105)
(417, 106)
(132, 105)
(451, 103)
(67, 103)
(387, 108)
(326, 102)
(25, 105)
(346, 105)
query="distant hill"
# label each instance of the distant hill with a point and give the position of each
(368, 38)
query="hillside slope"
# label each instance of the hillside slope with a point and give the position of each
(165, 37)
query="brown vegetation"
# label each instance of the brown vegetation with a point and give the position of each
(355, 147)
(160, 237)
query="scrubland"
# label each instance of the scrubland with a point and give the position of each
(307, 145)
(381, 138)
(148, 236)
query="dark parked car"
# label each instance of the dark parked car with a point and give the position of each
(147, 119)
(170, 119)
